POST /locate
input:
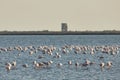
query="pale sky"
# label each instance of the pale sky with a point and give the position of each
(49, 14)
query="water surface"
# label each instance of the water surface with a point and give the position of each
(55, 73)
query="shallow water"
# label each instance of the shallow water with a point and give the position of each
(53, 72)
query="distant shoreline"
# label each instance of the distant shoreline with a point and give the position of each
(60, 33)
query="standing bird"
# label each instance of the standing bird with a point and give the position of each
(13, 64)
(59, 64)
(25, 65)
(34, 62)
(102, 65)
(87, 62)
(50, 62)
(76, 65)
(70, 62)
(8, 66)
(109, 64)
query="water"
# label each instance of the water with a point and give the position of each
(53, 72)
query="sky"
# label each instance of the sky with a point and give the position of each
(80, 15)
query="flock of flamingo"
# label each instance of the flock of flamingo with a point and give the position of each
(58, 52)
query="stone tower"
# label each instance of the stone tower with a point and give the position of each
(64, 27)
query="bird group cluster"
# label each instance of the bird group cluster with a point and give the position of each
(59, 52)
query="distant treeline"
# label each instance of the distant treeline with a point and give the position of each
(60, 33)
